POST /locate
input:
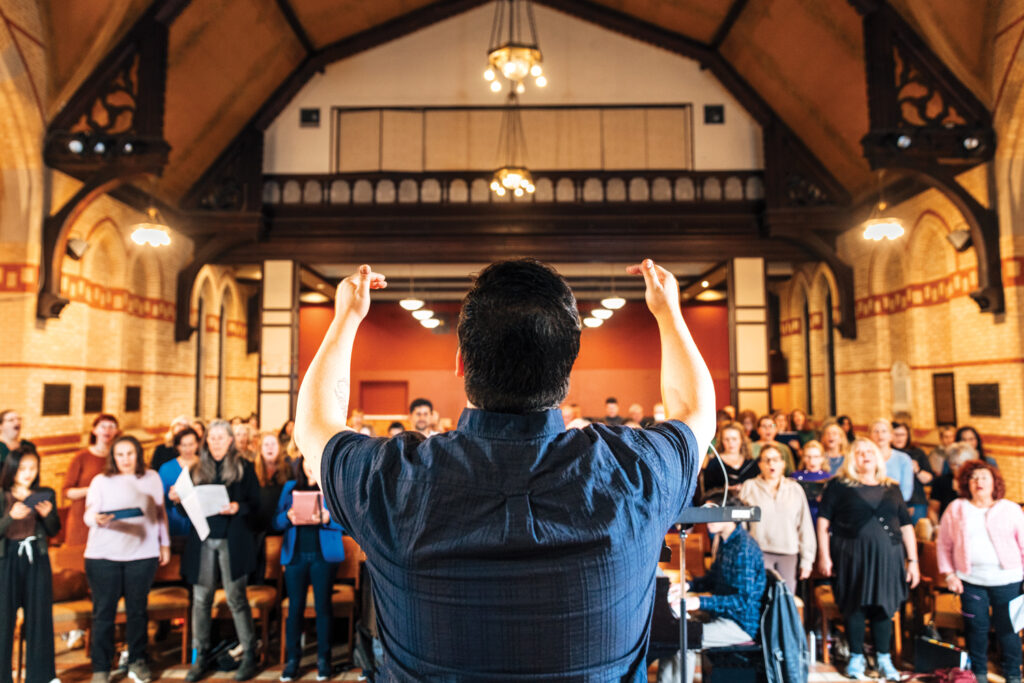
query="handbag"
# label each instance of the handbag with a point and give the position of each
(932, 655)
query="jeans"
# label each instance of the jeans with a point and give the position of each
(306, 569)
(108, 581)
(214, 554)
(975, 604)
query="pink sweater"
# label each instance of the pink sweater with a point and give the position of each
(1005, 523)
(133, 538)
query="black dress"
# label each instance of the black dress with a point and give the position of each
(866, 545)
(711, 478)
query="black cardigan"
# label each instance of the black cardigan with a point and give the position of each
(848, 512)
(241, 545)
(46, 528)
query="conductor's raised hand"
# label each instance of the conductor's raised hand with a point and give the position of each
(353, 296)
(662, 289)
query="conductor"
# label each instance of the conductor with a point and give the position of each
(511, 549)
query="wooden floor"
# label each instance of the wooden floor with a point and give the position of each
(74, 666)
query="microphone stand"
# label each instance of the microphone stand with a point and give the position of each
(702, 515)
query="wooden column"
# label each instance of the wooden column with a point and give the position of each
(748, 336)
(279, 342)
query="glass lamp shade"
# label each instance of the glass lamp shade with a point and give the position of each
(430, 323)
(593, 322)
(613, 303)
(514, 62)
(602, 313)
(411, 304)
(423, 314)
(515, 179)
(153, 234)
(883, 228)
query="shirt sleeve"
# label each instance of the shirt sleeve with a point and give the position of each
(676, 463)
(345, 471)
(906, 476)
(902, 513)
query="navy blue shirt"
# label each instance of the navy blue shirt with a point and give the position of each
(512, 549)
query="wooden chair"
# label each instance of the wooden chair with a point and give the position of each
(825, 602)
(932, 601)
(263, 600)
(343, 598)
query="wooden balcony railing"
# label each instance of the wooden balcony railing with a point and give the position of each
(551, 187)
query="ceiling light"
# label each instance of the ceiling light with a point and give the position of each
(313, 298)
(710, 295)
(601, 313)
(593, 322)
(613, 302)
(512, 175)
(514, 51)
(883, 228)
(152, 232)
(705, 284)
(423, 314)
(411, 304)
(430, 323)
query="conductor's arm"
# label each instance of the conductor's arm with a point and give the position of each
(686, 387)
(322, 404)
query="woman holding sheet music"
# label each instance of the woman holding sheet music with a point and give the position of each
(310, 553)
(28, 519)
(124, 510)
(227, 543)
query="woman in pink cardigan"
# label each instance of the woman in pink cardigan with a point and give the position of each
(981, 554)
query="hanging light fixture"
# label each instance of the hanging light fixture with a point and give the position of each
(430, 323)
(601, 313)
(423, 314)
(512, 176)
(411, 303)
(593, 322)
(514, 51)
(152, 232)
(880, 227)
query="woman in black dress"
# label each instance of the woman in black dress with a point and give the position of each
(866, 543)
(736, 456)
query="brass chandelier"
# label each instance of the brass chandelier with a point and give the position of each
(512, 176)
(514, 52)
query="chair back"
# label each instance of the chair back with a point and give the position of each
(928, 557)
(272, 546)
(68, 557)
(354, 557)
(170, 572)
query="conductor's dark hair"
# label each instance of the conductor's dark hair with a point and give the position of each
(519, 335)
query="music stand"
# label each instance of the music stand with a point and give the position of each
(702, 515)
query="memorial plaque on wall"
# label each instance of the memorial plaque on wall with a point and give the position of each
(984, 399)
(944, 398)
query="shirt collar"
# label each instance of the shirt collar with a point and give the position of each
(511, 427)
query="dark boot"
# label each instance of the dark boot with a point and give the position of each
(248, 668)
(200, 668)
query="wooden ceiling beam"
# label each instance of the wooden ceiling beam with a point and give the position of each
(722, 32)
(297, 28)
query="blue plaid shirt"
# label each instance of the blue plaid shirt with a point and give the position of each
(736, 582)
(512, 549)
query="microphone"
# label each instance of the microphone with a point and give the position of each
(713, 513)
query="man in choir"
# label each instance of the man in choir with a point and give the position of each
(10, 433)
(492, 529)
(611, 412)
(421, 415)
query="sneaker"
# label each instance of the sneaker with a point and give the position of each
(291, 671)
(100, 677)
(323, 670)
(76, 639)
(248, 668)
(855, 668)
(886, 668)
(139, 671)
